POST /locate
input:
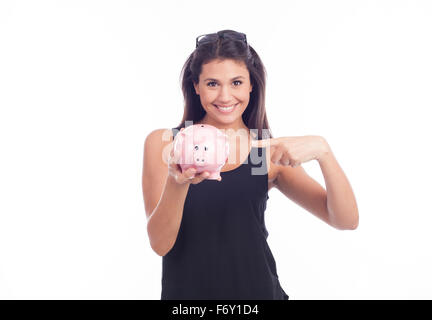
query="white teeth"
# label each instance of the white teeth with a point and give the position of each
(226, 108)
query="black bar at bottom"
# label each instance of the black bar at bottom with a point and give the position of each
(205, 309)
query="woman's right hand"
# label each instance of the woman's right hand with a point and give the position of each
(188, 176)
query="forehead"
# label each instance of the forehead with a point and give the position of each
(221, 69)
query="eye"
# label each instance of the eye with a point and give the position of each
(205, 148)
(196, 148)
(214, 82)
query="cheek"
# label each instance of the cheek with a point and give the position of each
(245, 94)
(245, 98)
(243, 107)
(208, 97)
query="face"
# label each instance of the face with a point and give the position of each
(224, 83)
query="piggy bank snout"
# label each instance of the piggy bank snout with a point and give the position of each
(200, 157)
(199, 161)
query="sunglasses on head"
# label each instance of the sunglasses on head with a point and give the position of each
(212, 37)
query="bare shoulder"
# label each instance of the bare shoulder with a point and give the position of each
(161, 136)
(159, 141)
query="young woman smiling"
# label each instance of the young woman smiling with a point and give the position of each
(211, 234)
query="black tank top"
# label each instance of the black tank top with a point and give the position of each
(221, 251)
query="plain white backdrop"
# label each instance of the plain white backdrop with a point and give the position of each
(82, 83)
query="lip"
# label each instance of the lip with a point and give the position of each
(222, 111)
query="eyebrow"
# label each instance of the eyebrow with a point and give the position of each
(231, 79)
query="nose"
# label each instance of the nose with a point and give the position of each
(224, 95)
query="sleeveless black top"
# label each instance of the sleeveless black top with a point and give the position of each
(221, 250)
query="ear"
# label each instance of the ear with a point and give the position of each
(251, 86)
(196, 88)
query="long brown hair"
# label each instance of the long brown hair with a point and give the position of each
(254, 116)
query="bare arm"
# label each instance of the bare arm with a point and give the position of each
(163, 223)
(164, 190)
(341, 202)
(336, 205)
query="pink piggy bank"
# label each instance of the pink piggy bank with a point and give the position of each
(203, 147)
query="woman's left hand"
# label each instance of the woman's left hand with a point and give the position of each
(293, 151)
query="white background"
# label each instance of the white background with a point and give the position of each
(82, 83)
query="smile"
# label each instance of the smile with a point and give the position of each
(226, 109)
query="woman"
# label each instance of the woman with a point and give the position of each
(211, 234)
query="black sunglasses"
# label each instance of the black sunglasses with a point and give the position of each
(210, 37)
